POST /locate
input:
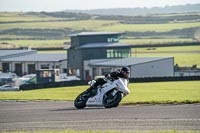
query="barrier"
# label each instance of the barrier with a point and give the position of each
(84, 82)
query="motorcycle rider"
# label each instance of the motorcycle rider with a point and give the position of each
(123, 73)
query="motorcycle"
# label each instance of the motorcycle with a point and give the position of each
(108, 95)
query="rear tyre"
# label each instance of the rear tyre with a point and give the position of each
(80, 101)
(112, 101)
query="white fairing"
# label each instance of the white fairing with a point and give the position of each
(120, 84)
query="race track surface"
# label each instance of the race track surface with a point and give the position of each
(61, 115)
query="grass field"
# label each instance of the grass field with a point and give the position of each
(10, 17)
(34, 22)
(36, 43)
(158, 92)
(148, 27)
(169, 49)
(76, 25)
(155, 41)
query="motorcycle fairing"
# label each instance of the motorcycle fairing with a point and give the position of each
(97, 100)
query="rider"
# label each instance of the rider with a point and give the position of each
(123, 73)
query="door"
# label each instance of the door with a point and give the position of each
(31, 68)
(5, 67)
(18, 69)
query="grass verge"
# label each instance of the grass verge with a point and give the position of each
(141, 93)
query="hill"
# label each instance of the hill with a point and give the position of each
(143, 11)
(52, 29)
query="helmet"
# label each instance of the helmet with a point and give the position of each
(125, 72)
(125, 69)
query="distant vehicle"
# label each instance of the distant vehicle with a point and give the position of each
(8, 75)
(26, 79)
(8, 88)
(69, 78)
(29, 76)
(6, 78)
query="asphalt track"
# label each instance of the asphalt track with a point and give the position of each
(54, 115)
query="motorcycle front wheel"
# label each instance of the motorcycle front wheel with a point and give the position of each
(80, 101)
(110, 101)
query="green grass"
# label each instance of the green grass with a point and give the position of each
(164, 92)
(89, 25)
(76, 25)
(36, 43)
(148, 27)
(169, 49)
(155, 41)
(27, 18)
(101, 25)
(158, 92)
(52, 51)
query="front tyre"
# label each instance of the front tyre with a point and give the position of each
(110, 101)
(80, 101)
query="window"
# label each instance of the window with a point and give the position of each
(45, 74)
(118, 53)
(45, 66)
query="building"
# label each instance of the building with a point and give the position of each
(24, 62)
(94, 45)
(140, 66)
(96, 53)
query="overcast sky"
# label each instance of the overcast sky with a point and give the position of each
(59, 5)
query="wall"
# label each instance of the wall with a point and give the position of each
(160, 68)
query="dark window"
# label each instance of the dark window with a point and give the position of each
(45, 66)
(31, 68)
(5, 67)
(18, 69)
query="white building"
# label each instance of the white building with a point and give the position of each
(139, 66)
(27, 62)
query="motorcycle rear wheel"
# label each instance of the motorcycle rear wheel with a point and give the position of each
(115, 100)
(80, 101)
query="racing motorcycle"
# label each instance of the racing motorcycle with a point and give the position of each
(108, 95)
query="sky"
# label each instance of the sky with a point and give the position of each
(60, 5)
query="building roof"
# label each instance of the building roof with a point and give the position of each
(96, 33)
(12, 53)
(124, 61)
(38, 57)
(104, 45)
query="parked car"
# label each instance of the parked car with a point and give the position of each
(8, 88)
(69, 78)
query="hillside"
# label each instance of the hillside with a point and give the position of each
(142, 11)
(52, 29)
